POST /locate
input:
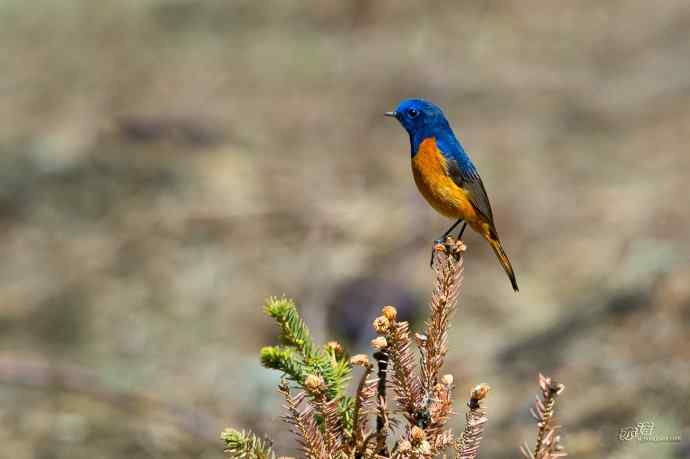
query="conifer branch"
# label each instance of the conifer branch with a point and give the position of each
(442, 442)
(448, 270)
(246, 445)
(329, 424)
(293, 330)
(303, 423)
(437, 405)
(548, 444)
(364, 400)
(329, 363)
(283, 359)
(381, 357)
(467, 446)
(440, 409)
(406, 384)
(328, 409)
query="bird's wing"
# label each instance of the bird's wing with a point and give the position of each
(469, 180)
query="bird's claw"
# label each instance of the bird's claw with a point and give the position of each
(439, 246)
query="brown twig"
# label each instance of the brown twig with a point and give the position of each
(304, 424)
(437, 407)
(467, 446)
(406, 383)
(328, 408)
(548, 444)
(448, 270)
(381, 357)
(439, 412)
(365, 396)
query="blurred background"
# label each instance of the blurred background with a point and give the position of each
(168, 164)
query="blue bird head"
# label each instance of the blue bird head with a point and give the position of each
(422, 119)
(417, 115)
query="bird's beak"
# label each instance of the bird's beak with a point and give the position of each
(393, 114)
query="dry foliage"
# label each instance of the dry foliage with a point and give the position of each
(329, 424)
(548, 441)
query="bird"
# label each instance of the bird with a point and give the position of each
(446, 176)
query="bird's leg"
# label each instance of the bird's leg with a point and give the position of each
(462, 230)
(442, 239)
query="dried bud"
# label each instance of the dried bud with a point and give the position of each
(440, 389)
(425, 448)
(548, 385)
(314, 383)
(404, 446)
(381, 324)
(479, 392)
(390, 313)
(417, 435)
(336, 347)
(440, 247)
(447, 380)
(360, 360)
(379, 343)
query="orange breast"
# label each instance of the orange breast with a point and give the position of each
(440, 191)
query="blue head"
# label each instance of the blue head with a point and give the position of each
(422, 119)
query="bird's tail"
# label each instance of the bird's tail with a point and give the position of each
(495, 243)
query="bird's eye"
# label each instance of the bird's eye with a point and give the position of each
(413, 113)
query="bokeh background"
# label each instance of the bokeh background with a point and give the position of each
(168, 164)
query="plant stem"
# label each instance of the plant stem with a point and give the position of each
(381, 430)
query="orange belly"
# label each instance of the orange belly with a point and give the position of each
(440, 191)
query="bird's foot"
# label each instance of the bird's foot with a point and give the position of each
(450, 246)
(439, 246)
